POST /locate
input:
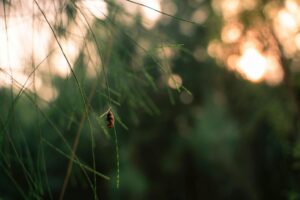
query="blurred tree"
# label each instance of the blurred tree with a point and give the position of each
(205, 96)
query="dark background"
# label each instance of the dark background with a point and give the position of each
(229, 139)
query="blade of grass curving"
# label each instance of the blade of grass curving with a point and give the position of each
(168, 72)
(62, 51)
(104, 72)
(14, 102)
(163, 13)
(66, 143)
(103, 128)
(118, 119)
(138, 45)
(118, 8)
(112, 100)
(27, 175)
(22, 88)
(29, 162)
(99, 53)
(7, 45)
(53, 125)
(85, 115)
(171, 96)
(7, 172)
(109, 97)
(148, 101)
(8, 57)
(75, 144)
(35, 94)
(187, 90)
(44, 169)
(150, 54)
(74, 148)
(76, 161)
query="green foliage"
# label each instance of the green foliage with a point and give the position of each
(217, 136)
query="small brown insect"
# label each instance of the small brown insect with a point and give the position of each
(110, 119)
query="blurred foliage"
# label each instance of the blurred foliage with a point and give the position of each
(229, 139)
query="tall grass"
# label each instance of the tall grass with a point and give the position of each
(43, 141)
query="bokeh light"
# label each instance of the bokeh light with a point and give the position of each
(29, 40)
(252, 64)
(231, 32)
(253, 51)
(174, 81)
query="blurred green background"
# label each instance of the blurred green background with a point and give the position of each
(200, 111)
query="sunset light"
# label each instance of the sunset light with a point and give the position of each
(254, 51)
(231, 32)
(174, 81)
(159, 99)
(150, 15)
(252, 64)
(29, 40)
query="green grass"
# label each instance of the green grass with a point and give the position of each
(32, 126)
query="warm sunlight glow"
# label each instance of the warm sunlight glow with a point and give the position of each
(166, 52)
(174, 81)
(97, 8)
(228, 8)
(47, 92)
(287, 25)
(232, 61)
(274, 73)
(91, 60)
(231, 32)
(256, 67)
(249, 4)
(29, 40)
(287, 21)
(253, 51)
(71, 49)
(297, 41)
(150, 15)
(292, 6)
(252, 64)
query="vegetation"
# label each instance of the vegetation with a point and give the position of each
(204, 96)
